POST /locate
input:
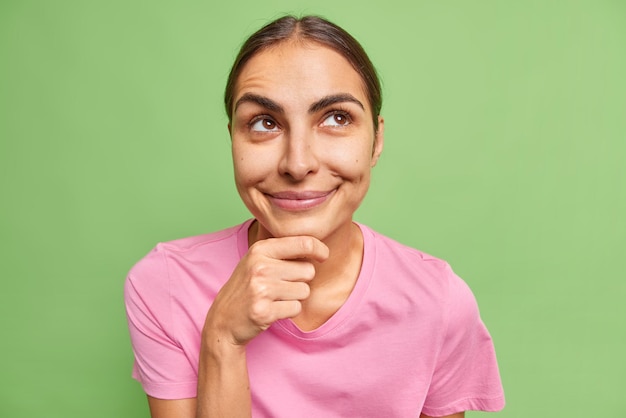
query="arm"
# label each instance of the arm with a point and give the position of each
(230, 382)
(457, 415)
(223, 384)
(268, 284)
(178, 408)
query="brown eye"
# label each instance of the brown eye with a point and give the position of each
(264, 125)
(337, 119)
(340, 119)
(268, 124)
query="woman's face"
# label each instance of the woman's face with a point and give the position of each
(303, 140)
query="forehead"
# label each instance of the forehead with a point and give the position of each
(295, 71)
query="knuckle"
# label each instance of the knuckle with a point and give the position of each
(256, 248)
(261, 248)
(259, 313)
(259, 269)
(307, 244)
(259, 290)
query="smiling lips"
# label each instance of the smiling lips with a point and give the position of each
(298, 201)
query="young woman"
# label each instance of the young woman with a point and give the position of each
(301, 312)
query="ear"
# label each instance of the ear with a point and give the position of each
(230, 131)
(379, 140)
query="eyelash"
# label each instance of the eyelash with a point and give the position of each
(339, 112)
(333, 112)
(259, 118)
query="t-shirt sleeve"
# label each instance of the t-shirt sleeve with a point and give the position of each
(466, 375)
(160, 364)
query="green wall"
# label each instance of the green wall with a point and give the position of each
(505, 141)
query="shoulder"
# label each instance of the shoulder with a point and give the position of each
(200, 244)
(416, 271)
(187, 247)
(389, 245)
(407, 262)
(167, 259)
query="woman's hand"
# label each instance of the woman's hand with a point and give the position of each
(268, 284)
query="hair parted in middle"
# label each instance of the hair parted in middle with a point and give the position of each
(314, 29)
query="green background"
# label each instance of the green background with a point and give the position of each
(505, 141)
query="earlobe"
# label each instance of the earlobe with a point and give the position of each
(379, 140)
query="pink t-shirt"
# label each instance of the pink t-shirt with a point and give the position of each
(409, 339)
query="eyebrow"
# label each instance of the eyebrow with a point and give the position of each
(332, 99)
(262, 101)
(323, 103)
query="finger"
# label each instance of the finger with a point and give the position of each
(268, 270)
(286, 309)
(265, 313)
(292, 248)
(285, 291)
(294, 271)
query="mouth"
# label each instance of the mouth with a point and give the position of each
(299, 201)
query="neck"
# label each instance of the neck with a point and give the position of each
(342, 267)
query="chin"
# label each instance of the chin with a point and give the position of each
(297, 227)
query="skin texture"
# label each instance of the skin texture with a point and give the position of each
(300, 150)
(303, 146)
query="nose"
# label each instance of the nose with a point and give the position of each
(299, 156)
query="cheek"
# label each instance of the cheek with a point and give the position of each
(353, 162)
(250, 168)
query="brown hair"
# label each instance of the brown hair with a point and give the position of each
(315, 29)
